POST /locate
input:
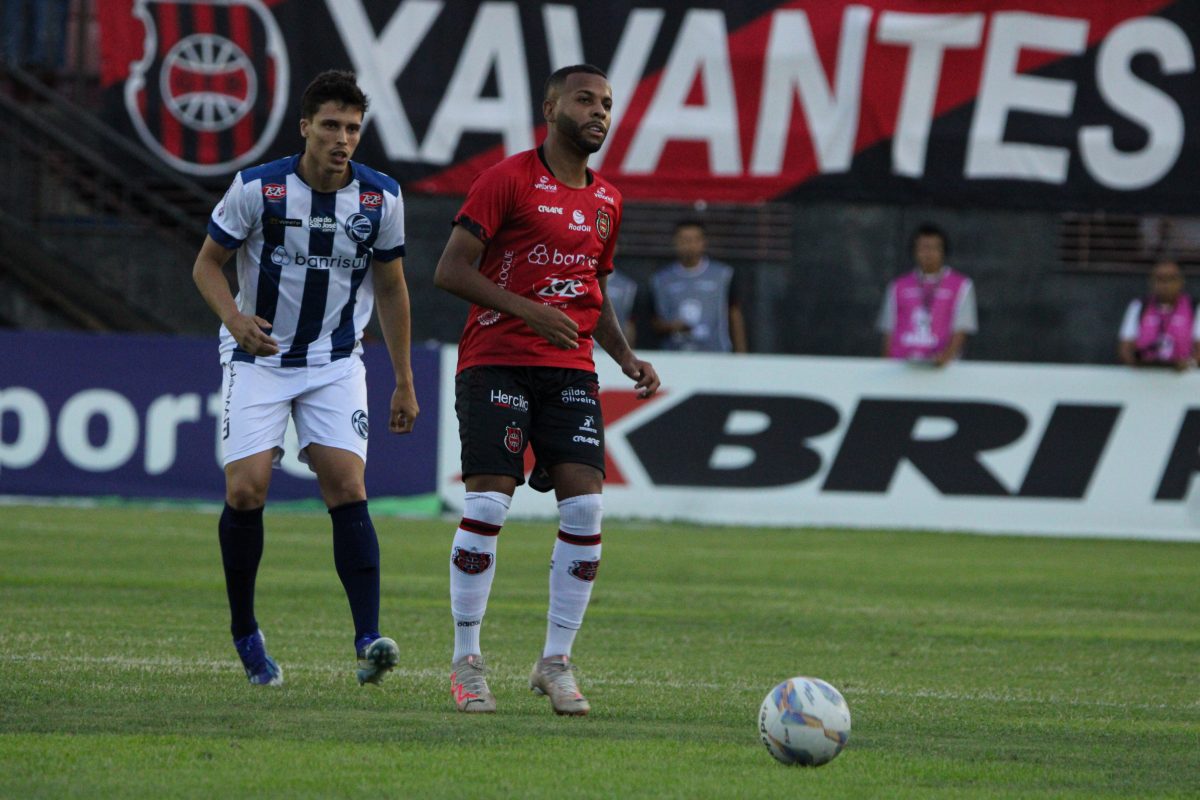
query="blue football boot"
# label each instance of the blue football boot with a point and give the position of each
(261, 669)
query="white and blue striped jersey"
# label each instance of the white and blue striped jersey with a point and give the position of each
(304, 257)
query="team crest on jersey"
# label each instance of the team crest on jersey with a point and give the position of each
(603, 223)
(584, 570)
(513, 438)
(210, 89)
(471, 562)
(370, 199)
(359, 422)
(359, 228)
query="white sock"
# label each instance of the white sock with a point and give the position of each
(473, 565)
(572, 571)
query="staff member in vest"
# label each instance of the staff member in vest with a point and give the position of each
(927, 313)
(695, 301)
(1160, 330)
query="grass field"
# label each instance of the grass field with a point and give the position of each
(973, 666)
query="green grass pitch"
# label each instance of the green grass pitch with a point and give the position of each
(975, 667)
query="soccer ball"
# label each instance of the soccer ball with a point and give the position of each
(804, 721)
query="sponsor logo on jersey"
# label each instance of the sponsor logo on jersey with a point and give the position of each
(541, 256)
(545, 185)
(602, 194)
(472, 562)
(556, 288)
(551, 210)
(370, 199)
(491, 316)
(198, 96)
(324, 224)
(580, 397)
(577, 222)
(330, 262)
(513, 438)
(580, 439)
(289, 222)
(274, 192)
(584, 570)
(359, 227)
(280, 257)
(588, 425)
(503, 399)
(359, 423)
(603, 223)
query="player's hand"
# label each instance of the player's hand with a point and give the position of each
(644, 375)
(251, 334)
(404, 409)
(554, 326)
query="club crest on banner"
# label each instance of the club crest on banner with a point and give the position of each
(210, 90)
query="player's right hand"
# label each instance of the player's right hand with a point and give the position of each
(554, 326)
(251, 335)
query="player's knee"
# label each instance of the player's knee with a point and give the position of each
(343, 490)
(580, 515)
(245, 494)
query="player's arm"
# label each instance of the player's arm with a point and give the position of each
(458, 273)
(248, 331)
(608, 334)
(391, 298)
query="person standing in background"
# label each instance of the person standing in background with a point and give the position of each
(695, 299)
(1160, 330)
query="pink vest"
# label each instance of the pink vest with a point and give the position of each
(1165, 338)
(924, 314)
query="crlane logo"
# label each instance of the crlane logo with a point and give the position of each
(550, 209)
(31, 428)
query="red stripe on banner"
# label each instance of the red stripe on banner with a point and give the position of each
(171, 133)
(683, 172)
(239, 32)
(207, 146)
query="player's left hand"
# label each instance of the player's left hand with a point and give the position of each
(404, 410)
(645, 376)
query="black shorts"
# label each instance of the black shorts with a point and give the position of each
(503, 409)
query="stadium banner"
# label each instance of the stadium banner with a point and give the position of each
(140, 416)
(873, 443)
(1060, 104)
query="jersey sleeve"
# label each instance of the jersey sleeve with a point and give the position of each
(490, 199)
(234, 217)
(389, 245)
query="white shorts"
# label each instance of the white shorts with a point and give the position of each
(328, 404)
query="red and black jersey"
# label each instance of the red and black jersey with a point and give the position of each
(542, 240)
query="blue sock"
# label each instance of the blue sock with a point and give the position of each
(241, 536)
(356, 556)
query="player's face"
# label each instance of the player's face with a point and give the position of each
(331, 136)
(929, 252)
(582, 111)
(689, 244)
(1166, 281)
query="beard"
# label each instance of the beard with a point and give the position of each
(572, 131)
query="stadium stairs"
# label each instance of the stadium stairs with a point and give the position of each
(95, 233)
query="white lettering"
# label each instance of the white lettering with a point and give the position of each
(1003, 89)
(928, 36)
(33, 427)
(495, 41)
(216, 409)
(122, 435)
(1153, 109)
(794, 66)
(550, 209)
(379, 63)
(162, 423)
(701, 48)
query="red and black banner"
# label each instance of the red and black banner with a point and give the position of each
(1018, 103)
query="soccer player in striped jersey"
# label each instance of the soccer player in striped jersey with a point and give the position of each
(319, 241)
(531, 249)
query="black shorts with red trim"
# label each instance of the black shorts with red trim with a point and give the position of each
(501, 410)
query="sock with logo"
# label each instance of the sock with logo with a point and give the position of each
(473, 566)
(241, 537)
(356, 557)
(573, 570)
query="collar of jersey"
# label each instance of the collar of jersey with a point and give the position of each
(542, 157)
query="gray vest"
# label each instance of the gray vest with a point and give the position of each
(699, 297)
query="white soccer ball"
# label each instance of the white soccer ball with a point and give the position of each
(804, 721)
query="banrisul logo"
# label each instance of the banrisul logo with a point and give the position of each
(210, 90)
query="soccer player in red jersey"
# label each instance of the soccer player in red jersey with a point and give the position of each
(531, 249)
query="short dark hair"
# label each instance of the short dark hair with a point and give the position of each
(929, 229)
(558, 78)
(338, 85)
(691, 222)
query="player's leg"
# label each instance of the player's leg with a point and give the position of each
(493, 413)
(569, 439)
(331, 424)
(254, 421)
